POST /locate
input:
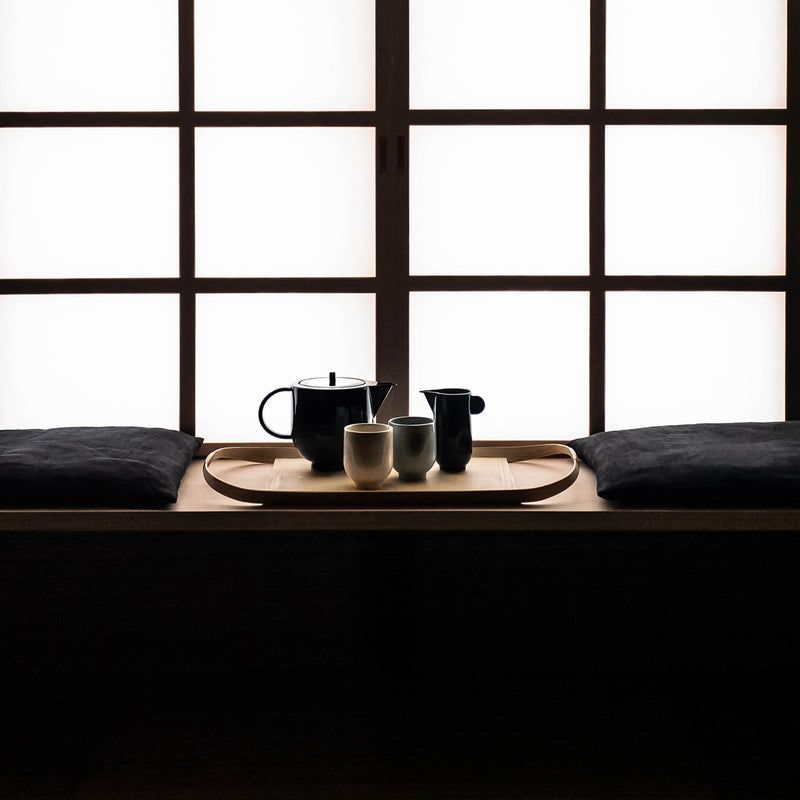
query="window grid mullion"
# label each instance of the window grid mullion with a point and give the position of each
(391, 268)
(597, 171)
(793, 213)
(187, 316)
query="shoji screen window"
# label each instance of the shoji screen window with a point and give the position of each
(499, 210)
(695, 202)
(187, 207)
(600, 188)
(89, 213)
(285, 208)
(584, 210)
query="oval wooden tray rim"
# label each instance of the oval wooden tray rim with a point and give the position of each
(267, 454)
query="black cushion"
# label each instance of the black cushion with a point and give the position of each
(93, 467)
(730, 464)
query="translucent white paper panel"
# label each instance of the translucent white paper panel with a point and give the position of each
(88, 360)
(88, 55)
(684, 357)
(88, 202)
(248, 345)
(525, 353)
(696, 54)
(695, 200)
(285, 202)
(491, 200)
(499, 54)
(273, 55)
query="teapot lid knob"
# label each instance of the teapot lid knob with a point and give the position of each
(331, 379)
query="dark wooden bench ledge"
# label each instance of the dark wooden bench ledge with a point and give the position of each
(199, 508)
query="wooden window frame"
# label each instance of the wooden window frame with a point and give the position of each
(392, 284)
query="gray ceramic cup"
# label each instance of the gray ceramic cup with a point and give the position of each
(414, 446)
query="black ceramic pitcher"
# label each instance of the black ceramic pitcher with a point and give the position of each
(451, 417)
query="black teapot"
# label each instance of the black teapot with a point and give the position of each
(321, 407)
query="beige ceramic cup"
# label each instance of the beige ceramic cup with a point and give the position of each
(367, 453)
(414, 446)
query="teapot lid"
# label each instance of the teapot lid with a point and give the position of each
(331, 381)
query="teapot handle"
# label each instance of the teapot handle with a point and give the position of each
(261, 412)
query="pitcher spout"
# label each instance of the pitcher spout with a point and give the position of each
(430, 396)
(377, 394)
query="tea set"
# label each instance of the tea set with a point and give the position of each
(333, 428)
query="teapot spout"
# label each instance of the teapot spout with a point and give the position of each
(377, 394)
(430, 396)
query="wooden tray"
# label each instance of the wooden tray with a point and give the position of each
(487, 480)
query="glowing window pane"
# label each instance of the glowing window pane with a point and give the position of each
(285, 202)
(492, 200)
(248, 345)
(88, 202)
(504, 54)
(88, 360)
(695, 200)
(684, 357)
(525, 353)
(273, 55)
(88, 55)
(696, 54)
